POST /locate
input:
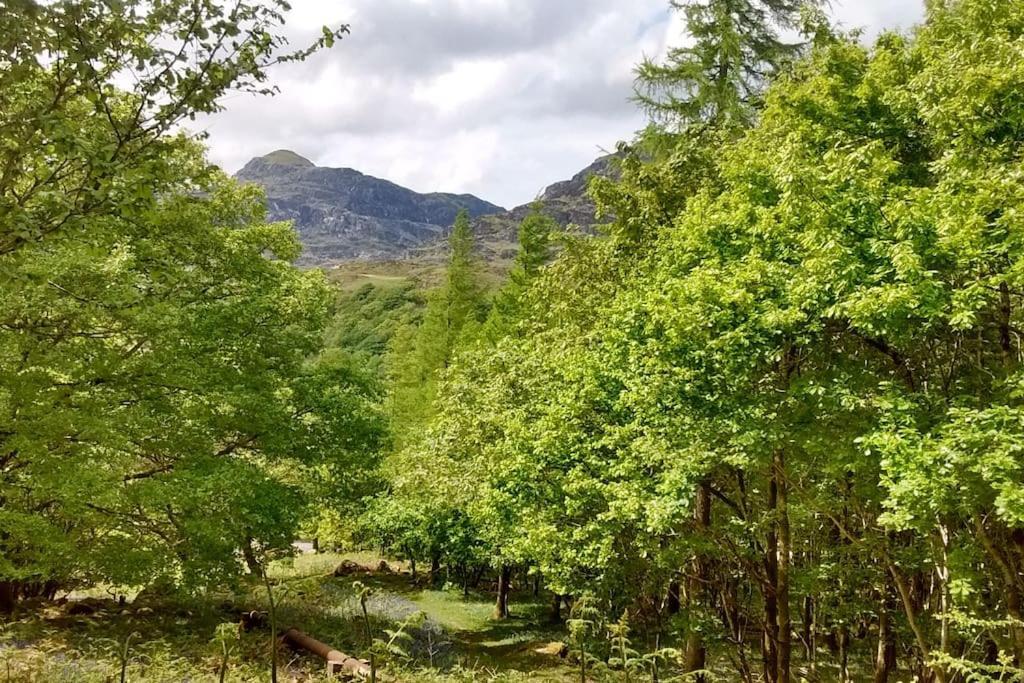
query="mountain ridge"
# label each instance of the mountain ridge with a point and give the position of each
(342, 214)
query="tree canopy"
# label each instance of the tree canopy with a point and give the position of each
(781, 393)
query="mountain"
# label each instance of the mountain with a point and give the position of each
(342, 214)
(567, 202)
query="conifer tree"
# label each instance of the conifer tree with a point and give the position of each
(420, 356)
(534, 251)
(736, 52)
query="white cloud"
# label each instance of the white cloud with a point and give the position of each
(495, 97)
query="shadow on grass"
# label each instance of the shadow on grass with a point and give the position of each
(173, 638)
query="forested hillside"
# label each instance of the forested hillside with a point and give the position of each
(762, 423)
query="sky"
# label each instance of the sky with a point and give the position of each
(498, 98)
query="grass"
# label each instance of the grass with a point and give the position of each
(475, 641)
(425, 273)
(174, 639)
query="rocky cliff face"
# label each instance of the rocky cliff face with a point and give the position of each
(342, 214)
(566, 202)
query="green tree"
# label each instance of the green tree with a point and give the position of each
(535, 235)
(75, 145)
(157, 393)
(419, 356)
(155, 383)
(820, 335)
(720, 78)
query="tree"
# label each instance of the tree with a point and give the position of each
(420, 355)
(76, 146)
(414, 516)
(719, 79)
(535, 234)
(155, 383)
(819, 335)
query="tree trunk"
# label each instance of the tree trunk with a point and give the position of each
(924, 652)
(1011, 587)
(785, 629)
(8, 596)
(769, 642)
(435, 567)
(672, 601)
(810, 632)
(885, 655)
(696, 652)
(250, 559)
(556, 609)
(501, 604)
(844, 654)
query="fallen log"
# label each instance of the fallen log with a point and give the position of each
(337, 662)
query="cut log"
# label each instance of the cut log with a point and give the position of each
(337, 662)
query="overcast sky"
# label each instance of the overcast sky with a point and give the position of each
(499, 98)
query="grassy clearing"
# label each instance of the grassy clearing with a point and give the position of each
(460, 630)
(425, 272)
(175, 639)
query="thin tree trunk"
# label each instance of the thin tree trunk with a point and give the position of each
(785, 630)
(810, 632)
(435, 567)
(273, 626)
(696, 652)
(844, 654)
(942, 571)
(501, 603)
(911, 613)
(556, 609)
(1011, 587)
(769, 644)
(1006, 312)
(885, 654)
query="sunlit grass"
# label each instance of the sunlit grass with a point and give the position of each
(174, 641)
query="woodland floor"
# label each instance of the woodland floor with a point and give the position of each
(173, 639)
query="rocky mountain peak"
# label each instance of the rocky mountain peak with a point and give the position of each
(342, 214)
(286, 157)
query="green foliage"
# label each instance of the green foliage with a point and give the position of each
(75, 148)
(165, 407)
(734, 52)
(226, 637)
(789, 379)
(535, 235)
(584, 626)
(421, 353)
(623, 656)
(368, 318)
